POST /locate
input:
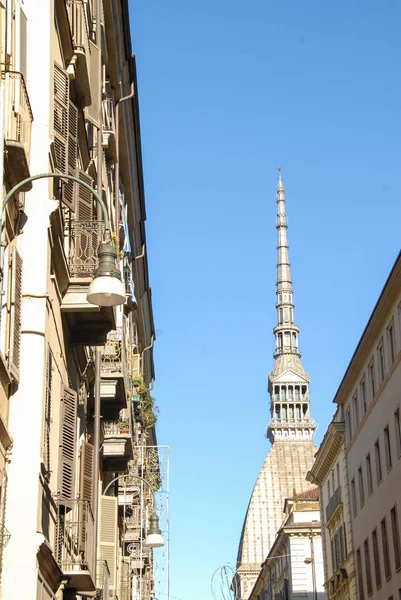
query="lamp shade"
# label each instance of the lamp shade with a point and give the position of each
(154, 539)
(106, 288)
(106, 291)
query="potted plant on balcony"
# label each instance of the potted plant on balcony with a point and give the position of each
(124, 426)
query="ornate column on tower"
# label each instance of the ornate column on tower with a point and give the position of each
(290, 429)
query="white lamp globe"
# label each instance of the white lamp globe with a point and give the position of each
(106, 291)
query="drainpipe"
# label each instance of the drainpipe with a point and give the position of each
(97, 416)
(117, 179)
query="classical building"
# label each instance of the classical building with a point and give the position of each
(290, 429)
(294, 565)
(358, 466)
(75, 375)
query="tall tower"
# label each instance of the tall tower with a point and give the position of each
(290, 429)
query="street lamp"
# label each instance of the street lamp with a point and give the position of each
(107, 288)
(154, 538)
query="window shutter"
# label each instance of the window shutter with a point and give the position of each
(14, 352)
(85, 489)
(21, 44)
(108, 532)
(84, 205)
(68, 419)
(65, 133)
(70, 187)
(136, 365)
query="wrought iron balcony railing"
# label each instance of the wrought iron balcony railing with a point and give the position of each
(116, 429)
(74, 541)
(83, 239)
(103, 579)
(333, 503)
(18, 112)
(115, 359)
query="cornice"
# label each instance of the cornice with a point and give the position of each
(327, 453)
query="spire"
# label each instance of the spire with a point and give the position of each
(286, 332)
(288, 381)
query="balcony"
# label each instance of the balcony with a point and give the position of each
(103, 579)
(76, 259)
(334, 502)
(79, 66)
(18, 126)
(117, 446)
(109, 128)
(116, 381)
(74, 544)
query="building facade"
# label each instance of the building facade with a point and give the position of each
(294, 565)
(358, 465)
(76, 412)
(290, 429)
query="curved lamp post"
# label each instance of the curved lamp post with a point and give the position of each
(106, 288)
(154, 538)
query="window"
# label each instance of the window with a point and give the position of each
(376, 559)
(353, 498)
(356, 409)
(363, 395)
(397, 425)
(369, 474)
(360, 575)
(390, 337)
(387, 448)
(386, 556)
(381, 361)
(361, 488)
(333, 483)
(379, 474)
(328, 489)
(348, 424)
(396, 537)
(338, 474)
(372, 378)
(369, 586)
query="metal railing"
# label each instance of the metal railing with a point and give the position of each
(286, 350)
(74, 535)
(79, 25)
(103, 579)
(83, 239)
(118, 428)
(333, 503)
(115, 360)
(18, 112)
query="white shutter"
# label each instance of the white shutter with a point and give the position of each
(85, 489)
(108, 533)
(21, 41)
(14, 350)
(68, 419)
(136, 365)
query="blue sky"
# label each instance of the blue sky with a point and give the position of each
(228, 91)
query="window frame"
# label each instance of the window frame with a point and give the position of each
(378, 462)
(387, 448)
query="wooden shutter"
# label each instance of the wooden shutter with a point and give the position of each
(65, 133)
(70, 187)
(68, 420)
(14, 351)
(21, 43)
(108, 532)
(85, 489)
(136, 365)
(84, 204)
